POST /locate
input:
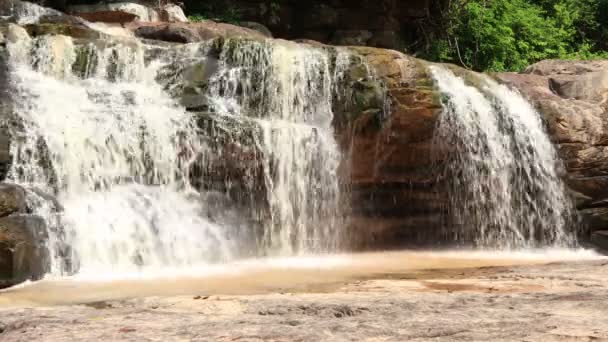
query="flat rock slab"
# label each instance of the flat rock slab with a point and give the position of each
(556, 302)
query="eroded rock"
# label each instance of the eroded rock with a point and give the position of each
(191, 32)
(115, 12)
(23, 253)
(12, 199)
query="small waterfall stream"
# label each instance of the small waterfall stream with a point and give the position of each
(287, 90)
(504, 187)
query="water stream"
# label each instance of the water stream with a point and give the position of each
(504, 187)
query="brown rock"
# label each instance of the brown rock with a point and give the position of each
(12, 199)
(23, 253)
(392, 158)
(191, 32)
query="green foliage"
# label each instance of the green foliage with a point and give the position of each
(499, 35)
(222, 12)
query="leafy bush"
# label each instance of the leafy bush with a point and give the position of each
(499, 35)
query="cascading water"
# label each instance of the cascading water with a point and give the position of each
(115, 149)
(96, 125)
(504, 190)
(287, 92)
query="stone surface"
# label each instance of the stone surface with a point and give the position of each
(173, 14)
(5, 99)
(23, 254)
(12, 199)
(115, 12)
(553, 303)
(395, 198)
(600, 239)
(571, 96)
(256, 27)
(192, 32)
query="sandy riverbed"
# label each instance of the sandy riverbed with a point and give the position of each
(548, 296)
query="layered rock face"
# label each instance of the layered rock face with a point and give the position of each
(571, 95)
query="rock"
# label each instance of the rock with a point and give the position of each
(600, 239)
(351, 37)
(23, 254)
(173, 14)
(391, 155)
(6, 106)
(14, 33)
(191, 32)
(118, 12)
(257, 27)
(12, 199)
(592, 86)
(387, 39)
(74, 31)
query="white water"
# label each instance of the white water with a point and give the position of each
(115, 149)
(504, 187)
(287, 90)
(101, 134)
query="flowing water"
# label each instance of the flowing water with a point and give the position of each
(287, 90)
(114, 149)
(504, 190)
(98, 130)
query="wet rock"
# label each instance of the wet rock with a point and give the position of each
(600, 239)
(351, 37)
(391, 155)
(74, 31)
(12, 199)
(191, 32)
(257, 27)
(23, 253)
(5, 104)
(116, 12)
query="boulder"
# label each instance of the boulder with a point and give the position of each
(12, 199)
(172, 13)
(599, 239)
(191, 32)
(256, 27)
(117, 12)
(23, 252)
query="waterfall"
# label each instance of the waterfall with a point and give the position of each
(504, 187)
(287, 91)
(96, 125)
(95, 129)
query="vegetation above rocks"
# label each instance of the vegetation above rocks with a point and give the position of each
(508, 35)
